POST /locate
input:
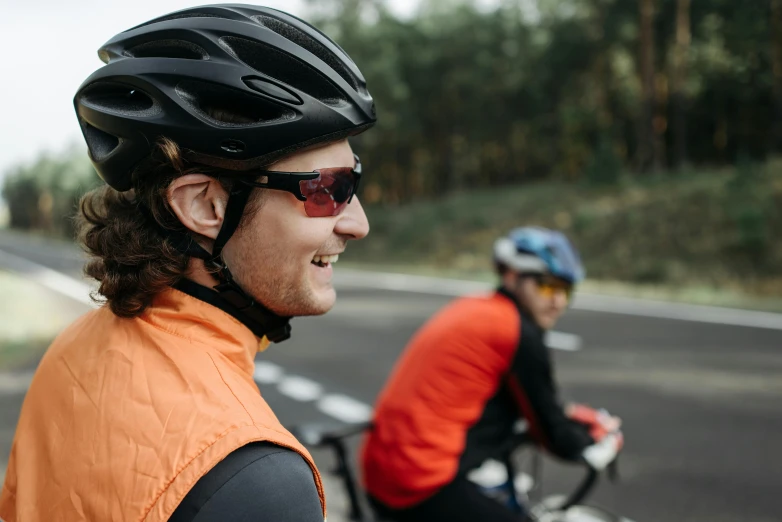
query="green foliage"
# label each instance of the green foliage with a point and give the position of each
(471, 98)
(693, 228)
(22, 195)
(751, 208)
(43, 195)
(604, 168)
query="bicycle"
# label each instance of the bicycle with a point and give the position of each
(551, 508)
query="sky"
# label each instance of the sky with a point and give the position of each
(49, 47)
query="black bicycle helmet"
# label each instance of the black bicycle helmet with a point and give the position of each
(174, 76)
(236, 87)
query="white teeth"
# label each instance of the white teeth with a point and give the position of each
(325, 259)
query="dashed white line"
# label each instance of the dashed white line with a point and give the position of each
(345, 409)
(335, 405)
(300, 388)
(563, 341)
(267, 373)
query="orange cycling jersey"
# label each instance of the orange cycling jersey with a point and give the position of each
(464, 380)
(124, 416)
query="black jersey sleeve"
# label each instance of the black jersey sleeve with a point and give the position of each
(259, 481)
(531, 383)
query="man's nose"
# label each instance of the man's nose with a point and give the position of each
(353, 223)
(561, 299)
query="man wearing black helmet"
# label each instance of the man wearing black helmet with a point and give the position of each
(221, 132)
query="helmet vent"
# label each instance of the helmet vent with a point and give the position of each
(168, 49)
(100, 143)
(231, 107)
(285, 68)
(179, 16)
(175, 16)
(119, 99)
(309, 43)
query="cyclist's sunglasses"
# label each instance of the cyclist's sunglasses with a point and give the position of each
(325, 192)
(549, 286)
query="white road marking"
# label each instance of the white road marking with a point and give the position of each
(408, 283)
(678, 311)
(563, 341)
(300, 388)
(267, 373)
(345, 409)
(583, 301)
(60, 283)
(337, 406)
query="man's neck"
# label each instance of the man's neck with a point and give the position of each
(515, 299)
(262, 322)
(196, 272)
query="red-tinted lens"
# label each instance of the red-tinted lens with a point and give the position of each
(328, 194)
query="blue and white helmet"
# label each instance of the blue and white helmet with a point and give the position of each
(539, 251)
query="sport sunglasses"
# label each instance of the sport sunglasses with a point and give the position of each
(550, 286)
(325, 192)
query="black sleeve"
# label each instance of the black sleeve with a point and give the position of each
(260, 481)
(531, 383)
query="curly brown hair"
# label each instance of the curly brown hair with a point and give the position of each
(129, 256)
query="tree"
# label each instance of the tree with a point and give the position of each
(43, 194)
(649, 153)
(776, 68)
(679, 80)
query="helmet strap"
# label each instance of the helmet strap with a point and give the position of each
(227, 295)
(256, 316)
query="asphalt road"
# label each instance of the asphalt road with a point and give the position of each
(701, 403)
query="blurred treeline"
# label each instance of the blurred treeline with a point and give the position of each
(43, 194)
(564, 89)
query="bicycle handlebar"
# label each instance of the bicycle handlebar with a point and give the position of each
(587, 484)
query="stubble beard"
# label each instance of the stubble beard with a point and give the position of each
(283, 288)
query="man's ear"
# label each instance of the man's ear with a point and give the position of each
(199, 203)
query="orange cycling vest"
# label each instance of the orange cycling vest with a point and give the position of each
(452, 366)
(124, 416)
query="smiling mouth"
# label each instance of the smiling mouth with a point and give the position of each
(324, 261)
